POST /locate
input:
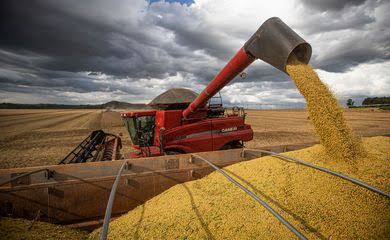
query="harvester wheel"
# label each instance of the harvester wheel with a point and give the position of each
(232, 145)
(173, 152)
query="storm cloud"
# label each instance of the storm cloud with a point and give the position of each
(132, 50)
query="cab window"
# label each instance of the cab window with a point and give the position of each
(141, 130)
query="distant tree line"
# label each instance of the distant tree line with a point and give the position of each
(376, 100)
(46, 106)
(112, 104)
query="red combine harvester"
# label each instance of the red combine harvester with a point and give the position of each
(166, 131)
(184, 122)
(181, 124)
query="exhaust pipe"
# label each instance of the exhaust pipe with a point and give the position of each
(274, 43)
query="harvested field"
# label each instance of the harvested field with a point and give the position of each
(44, 137)
(283, 127)
(39, 137)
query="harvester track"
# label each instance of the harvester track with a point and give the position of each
(40, 123)
(27, 119)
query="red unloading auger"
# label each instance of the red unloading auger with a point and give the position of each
(274, 42)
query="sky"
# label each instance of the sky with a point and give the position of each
(90, 52)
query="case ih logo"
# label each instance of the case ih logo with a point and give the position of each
(231, 129)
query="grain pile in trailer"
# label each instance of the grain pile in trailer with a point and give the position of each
(11, 228)
(318, 204)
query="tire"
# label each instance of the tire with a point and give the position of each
(173, 152)
(232, 145)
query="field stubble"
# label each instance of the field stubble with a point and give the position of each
(44, 137)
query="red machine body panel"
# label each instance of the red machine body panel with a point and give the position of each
(166, 120)
(211, 134)
(174, 134)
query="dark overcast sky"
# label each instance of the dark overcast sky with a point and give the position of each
(131, 50)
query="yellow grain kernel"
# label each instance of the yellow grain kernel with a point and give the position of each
(16, 228)
(317, 204)
(325, 113)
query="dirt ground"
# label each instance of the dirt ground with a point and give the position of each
(43, 137)
(284, 127)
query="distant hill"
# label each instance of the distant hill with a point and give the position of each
(123, 105)
(111, 105)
